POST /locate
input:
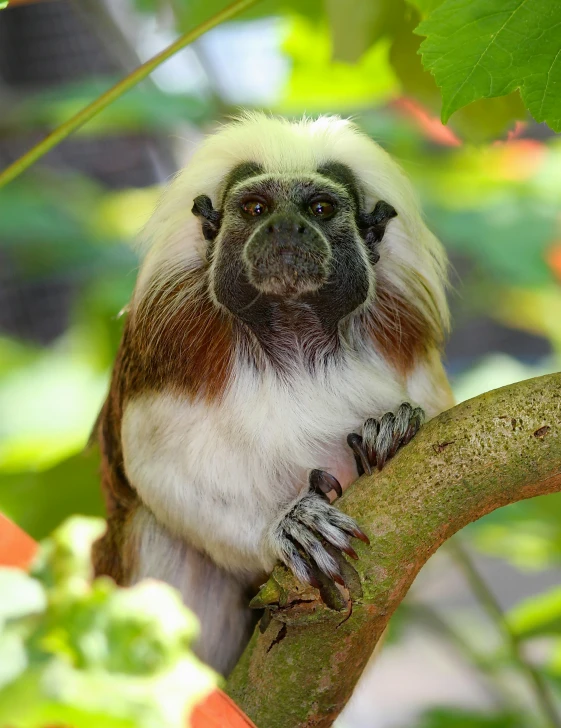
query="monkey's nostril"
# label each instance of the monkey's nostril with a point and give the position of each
(270, 229)
(301, 229)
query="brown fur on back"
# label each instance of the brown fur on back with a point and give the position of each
(176, 339)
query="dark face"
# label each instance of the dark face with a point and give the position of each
(281, 241)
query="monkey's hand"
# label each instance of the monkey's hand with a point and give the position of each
(297, 538)
(382, 438)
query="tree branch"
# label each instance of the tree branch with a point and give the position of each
(493, 450)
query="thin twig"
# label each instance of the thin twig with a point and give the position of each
(429, 619)
(115, 92)
(489, 603)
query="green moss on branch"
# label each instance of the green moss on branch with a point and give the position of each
(493, 450)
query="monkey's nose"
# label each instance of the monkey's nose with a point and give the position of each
(286, 229)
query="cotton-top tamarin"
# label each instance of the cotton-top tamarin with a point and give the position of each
(284, 336)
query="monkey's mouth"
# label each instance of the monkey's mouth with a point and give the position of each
(288, 271)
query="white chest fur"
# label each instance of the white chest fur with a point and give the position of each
(218, 473)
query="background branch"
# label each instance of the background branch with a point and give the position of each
(120, 88)
(485, 453)
(490, 604)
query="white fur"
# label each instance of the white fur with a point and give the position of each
(428, 385)
(220, 474)
(173, 237)
(217, 598)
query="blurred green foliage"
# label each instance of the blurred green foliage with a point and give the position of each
(493, 200)
(474, 50)
(82, 653)
(143, 109)
(445, 717)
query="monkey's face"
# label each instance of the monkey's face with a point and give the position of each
(288, 238)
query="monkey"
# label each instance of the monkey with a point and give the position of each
(284, 337)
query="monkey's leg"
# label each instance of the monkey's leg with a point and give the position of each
(382, 438)
(296, 538)
(218, 598)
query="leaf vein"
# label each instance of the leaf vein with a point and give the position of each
(547, 82)
(507, 21)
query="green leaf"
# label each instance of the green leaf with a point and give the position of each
(65, 556)
(4, 4)
(538, 615)
(38, 502)
(448, 717)
(141, 109)
(478, 122)
(49, 224)
(526, 534)
(320, 84)
(552, 667)
(486, 48)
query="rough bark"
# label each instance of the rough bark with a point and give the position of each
(485, 453)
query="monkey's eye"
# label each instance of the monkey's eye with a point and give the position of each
(322, 208)
(254, 206)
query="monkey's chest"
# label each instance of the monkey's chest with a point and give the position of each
(229, 467)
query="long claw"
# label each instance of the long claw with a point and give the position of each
(355, 443)
(409, 433)
(381, 439)
(324, 482)
(396, 444)
(349, 550)
(357, 533)
(312, 581)
(293, 559)
(337, 578)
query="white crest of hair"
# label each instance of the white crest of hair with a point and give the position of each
(412, 258)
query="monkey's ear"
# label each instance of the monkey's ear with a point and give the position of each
(202, 207)
(372, 226)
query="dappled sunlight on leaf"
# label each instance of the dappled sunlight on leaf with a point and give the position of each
(49, 407)
(532, 546)
(318, 83)
(540, 615)
(40, 501)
